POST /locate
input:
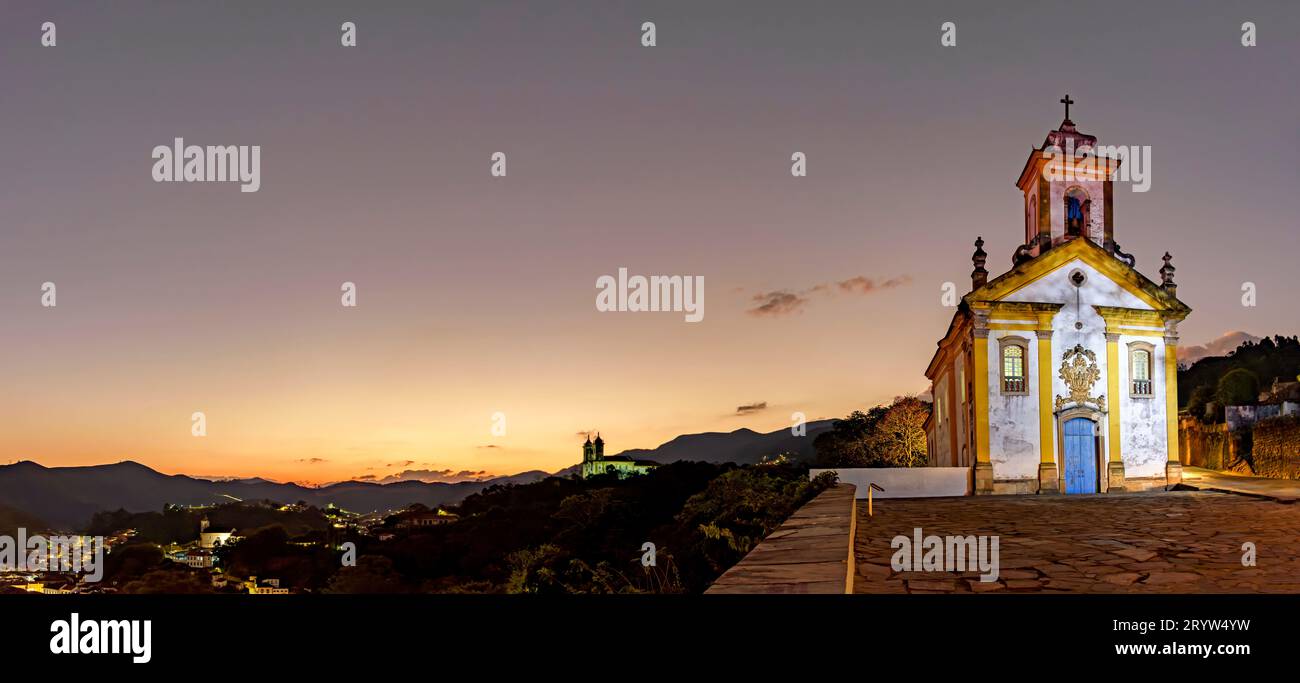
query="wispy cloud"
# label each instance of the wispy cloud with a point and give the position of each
(778, 303)
(785, 302)
(865, 285)
(751, 408)
(445, 476)
(311, 461)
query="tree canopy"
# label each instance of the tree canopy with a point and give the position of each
(1269, 358)
(884, 436)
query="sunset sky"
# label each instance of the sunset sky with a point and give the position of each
(476, 294)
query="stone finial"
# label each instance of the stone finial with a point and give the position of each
(979, 276)
(1167, 275)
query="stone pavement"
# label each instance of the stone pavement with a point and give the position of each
(1210, 480)
(1148, 542)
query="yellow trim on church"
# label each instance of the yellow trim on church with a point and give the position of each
(1171, 397)
(1112, 396)
(1020, 327)
(1046, 434)
(1117, 317)
(1139, 332)
(981, 348)
(1046, 417)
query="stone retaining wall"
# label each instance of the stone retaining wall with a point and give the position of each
(1210, 446)
(1277, 448)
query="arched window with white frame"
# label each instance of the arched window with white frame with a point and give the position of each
(1141, 363)
(1015, 361)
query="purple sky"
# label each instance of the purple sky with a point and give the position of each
(476, 294)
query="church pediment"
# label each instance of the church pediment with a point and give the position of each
(1058, 286)
(1134, 290)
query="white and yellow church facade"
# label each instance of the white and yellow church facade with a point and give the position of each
(1059, 376)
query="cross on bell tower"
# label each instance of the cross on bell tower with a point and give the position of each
(1067, 102)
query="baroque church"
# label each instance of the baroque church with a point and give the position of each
(1059, 375)
(594, 461)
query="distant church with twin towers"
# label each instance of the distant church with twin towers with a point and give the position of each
(595, 462)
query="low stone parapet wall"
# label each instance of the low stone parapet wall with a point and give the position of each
(906, 482)
(811, 552)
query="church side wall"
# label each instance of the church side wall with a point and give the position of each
(1013, 419)
(948, 436)
(941, 448)
(961, 410)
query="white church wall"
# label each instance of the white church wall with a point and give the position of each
(1013, 418)
(1143, 437)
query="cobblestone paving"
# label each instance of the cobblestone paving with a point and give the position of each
(1151, 542)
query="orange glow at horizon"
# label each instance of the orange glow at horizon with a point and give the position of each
(288, 414)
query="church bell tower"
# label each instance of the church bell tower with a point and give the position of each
(1068, 193)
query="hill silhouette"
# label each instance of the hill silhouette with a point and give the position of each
(67, 497)
(743, 446)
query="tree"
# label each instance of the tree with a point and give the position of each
(373, 574)
(1237, 387)
(885, 436)
(845, 445)
(169, 581)
(1201, 397)
(899, 436)
(534, 570)
(255, 555)
(1269, 358)
(126, 563)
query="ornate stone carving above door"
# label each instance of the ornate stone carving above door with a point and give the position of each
(1079, 370)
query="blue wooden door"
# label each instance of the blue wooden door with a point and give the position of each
(1080, 456)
